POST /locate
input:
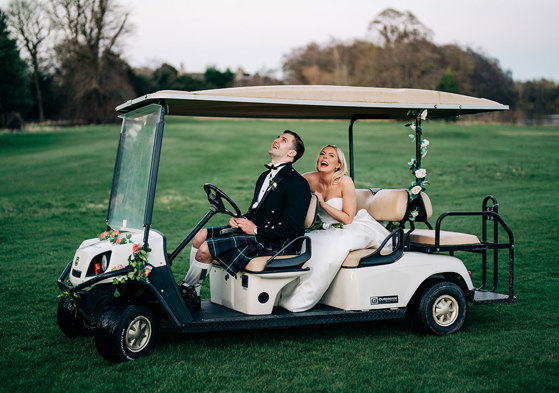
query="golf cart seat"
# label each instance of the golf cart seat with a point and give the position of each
(432, 240)
(255, 289)
(346, 290)
(263, 263)
(383, 205)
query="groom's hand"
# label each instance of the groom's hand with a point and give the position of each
(233, 222)
(246, 225)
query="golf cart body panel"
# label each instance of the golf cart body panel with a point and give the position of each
(393, 285)
(313, 102)
(92, 251)
(378, 287)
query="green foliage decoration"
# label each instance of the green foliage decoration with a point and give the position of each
(420, 174)
(138, 259)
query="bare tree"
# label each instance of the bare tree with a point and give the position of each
(28, 19)
(89, 64)
(397, 27)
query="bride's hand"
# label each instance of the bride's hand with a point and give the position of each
(319, 196)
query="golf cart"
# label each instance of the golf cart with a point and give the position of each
(120, 287)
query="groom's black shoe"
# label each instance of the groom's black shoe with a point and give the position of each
(190, 297)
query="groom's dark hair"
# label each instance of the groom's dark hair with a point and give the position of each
(298, 145)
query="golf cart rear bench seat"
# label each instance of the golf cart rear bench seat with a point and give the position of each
(433, 240)
(447, 238)
(255, 289)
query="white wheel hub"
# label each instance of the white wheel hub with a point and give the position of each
(445, 310)
(138, 333)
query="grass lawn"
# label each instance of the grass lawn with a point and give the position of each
(54, 190)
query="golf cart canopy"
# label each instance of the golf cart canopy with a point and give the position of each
(313, 102)
(137, 162)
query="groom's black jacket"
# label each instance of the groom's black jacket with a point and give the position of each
(281, 212)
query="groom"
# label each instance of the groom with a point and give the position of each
(275, 216)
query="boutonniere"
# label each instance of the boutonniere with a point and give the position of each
(273, 184)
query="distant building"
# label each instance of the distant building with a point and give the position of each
(243, 78)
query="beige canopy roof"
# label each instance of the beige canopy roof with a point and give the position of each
(313, 102)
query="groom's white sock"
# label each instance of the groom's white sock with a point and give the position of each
(196, 272)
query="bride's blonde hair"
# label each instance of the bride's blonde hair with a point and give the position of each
(342, 170)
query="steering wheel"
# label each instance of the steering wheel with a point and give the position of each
(216, 196)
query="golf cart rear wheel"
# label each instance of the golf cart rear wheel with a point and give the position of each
(441, 309)
(70, 321)
(126, 333)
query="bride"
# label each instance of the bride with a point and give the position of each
(338, 204)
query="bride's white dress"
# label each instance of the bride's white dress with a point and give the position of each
(329, 249)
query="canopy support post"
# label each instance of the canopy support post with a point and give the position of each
(153, 174)
(418, 138)
(351, 173)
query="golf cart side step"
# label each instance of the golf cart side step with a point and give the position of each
(213, 317)
(487, 297)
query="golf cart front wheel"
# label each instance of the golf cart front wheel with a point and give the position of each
(126, 333)
(441, 309)
(70, 321)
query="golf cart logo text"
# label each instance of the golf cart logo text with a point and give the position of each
(384, 299)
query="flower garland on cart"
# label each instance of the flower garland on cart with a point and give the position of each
(418, 185)
(138, 259)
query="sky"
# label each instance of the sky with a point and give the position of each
(256, 35)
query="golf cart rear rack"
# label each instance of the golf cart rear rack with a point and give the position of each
(489, 213)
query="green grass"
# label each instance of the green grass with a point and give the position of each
(54, 190)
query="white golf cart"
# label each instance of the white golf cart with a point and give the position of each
(421, 277)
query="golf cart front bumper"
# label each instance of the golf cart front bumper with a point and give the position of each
(86, 284)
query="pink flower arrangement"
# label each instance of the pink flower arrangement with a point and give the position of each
(138, 259)
(147, 270)
(115, 237)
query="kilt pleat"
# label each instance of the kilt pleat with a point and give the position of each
(234, 252)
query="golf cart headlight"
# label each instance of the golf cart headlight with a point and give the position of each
(99, 264)
(104, 262)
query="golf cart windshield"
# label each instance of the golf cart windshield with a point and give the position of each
(131, 183)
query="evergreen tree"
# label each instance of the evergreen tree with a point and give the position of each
(448, 83)
(14, 93)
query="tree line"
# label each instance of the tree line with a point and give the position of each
(73, 69)
(61, 60)
(399, 53)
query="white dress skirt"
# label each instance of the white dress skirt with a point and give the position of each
(329, 250)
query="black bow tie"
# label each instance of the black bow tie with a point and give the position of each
(272, 166)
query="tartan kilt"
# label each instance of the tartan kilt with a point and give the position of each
(234, 252)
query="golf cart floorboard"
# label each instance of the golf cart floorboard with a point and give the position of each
(213, 317)
(487, 297)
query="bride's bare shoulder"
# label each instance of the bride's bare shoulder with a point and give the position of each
(310, 176)
(346, 181)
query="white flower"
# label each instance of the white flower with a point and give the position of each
(416, 190)
(326, 226)
(424, 142)
(414, 213)
(420, 173)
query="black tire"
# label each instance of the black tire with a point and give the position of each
(70, 321)
(67, 317)
(440, 309)
(125, 333)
